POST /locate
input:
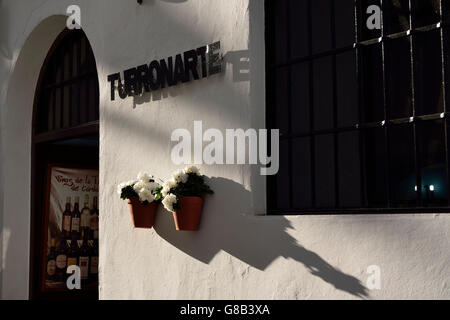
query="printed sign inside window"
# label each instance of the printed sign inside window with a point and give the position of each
(72, 219)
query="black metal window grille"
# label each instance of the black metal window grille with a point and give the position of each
(68, 95)
(363, 114)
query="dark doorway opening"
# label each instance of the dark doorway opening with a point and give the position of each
(65, 132)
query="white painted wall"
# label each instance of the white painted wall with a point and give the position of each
(236, 254)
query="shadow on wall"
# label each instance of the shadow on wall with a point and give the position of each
(257, 241)
(179, 90)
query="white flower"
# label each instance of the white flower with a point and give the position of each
(183, 178)
(153, 185)
(168, 202)
(123, 185)
(144, 176)
(119, 188)
(139, 186)
(144, 188)
(169, 184)
(146, 196)
(192, 169)
(180, 176)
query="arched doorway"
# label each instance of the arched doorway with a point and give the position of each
(65, 145)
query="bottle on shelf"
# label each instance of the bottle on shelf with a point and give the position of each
(67, 219)
(51, 261)
(94, 220)
(85, 216)
(73, 253)
(61, 261)
(93, 267)
(75, 229)
(83, 260)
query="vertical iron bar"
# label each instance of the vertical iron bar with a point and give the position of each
(335, 110)
(53, 90)
(289, 102)
(61, 88)
(413, 102)
(311, 108)
(70, 83)
(386, 111)
(360, 89)
(444, 99)
(80, 79)
(86, 80)
(272, 190)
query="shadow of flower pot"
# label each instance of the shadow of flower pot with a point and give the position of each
(142, 215)
(187, 218)
(255, 240)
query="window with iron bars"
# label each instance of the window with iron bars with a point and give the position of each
(363, 113)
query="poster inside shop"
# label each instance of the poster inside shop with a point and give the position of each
(72, 238)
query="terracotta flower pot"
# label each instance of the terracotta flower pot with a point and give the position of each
(143, 216)
(187, 218)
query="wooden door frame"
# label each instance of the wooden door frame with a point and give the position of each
(37, 216)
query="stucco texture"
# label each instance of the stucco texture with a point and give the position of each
(238, 253)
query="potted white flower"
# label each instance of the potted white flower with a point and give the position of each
(143, 196)
(183, 196)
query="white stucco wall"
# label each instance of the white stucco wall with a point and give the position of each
(237, 253)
